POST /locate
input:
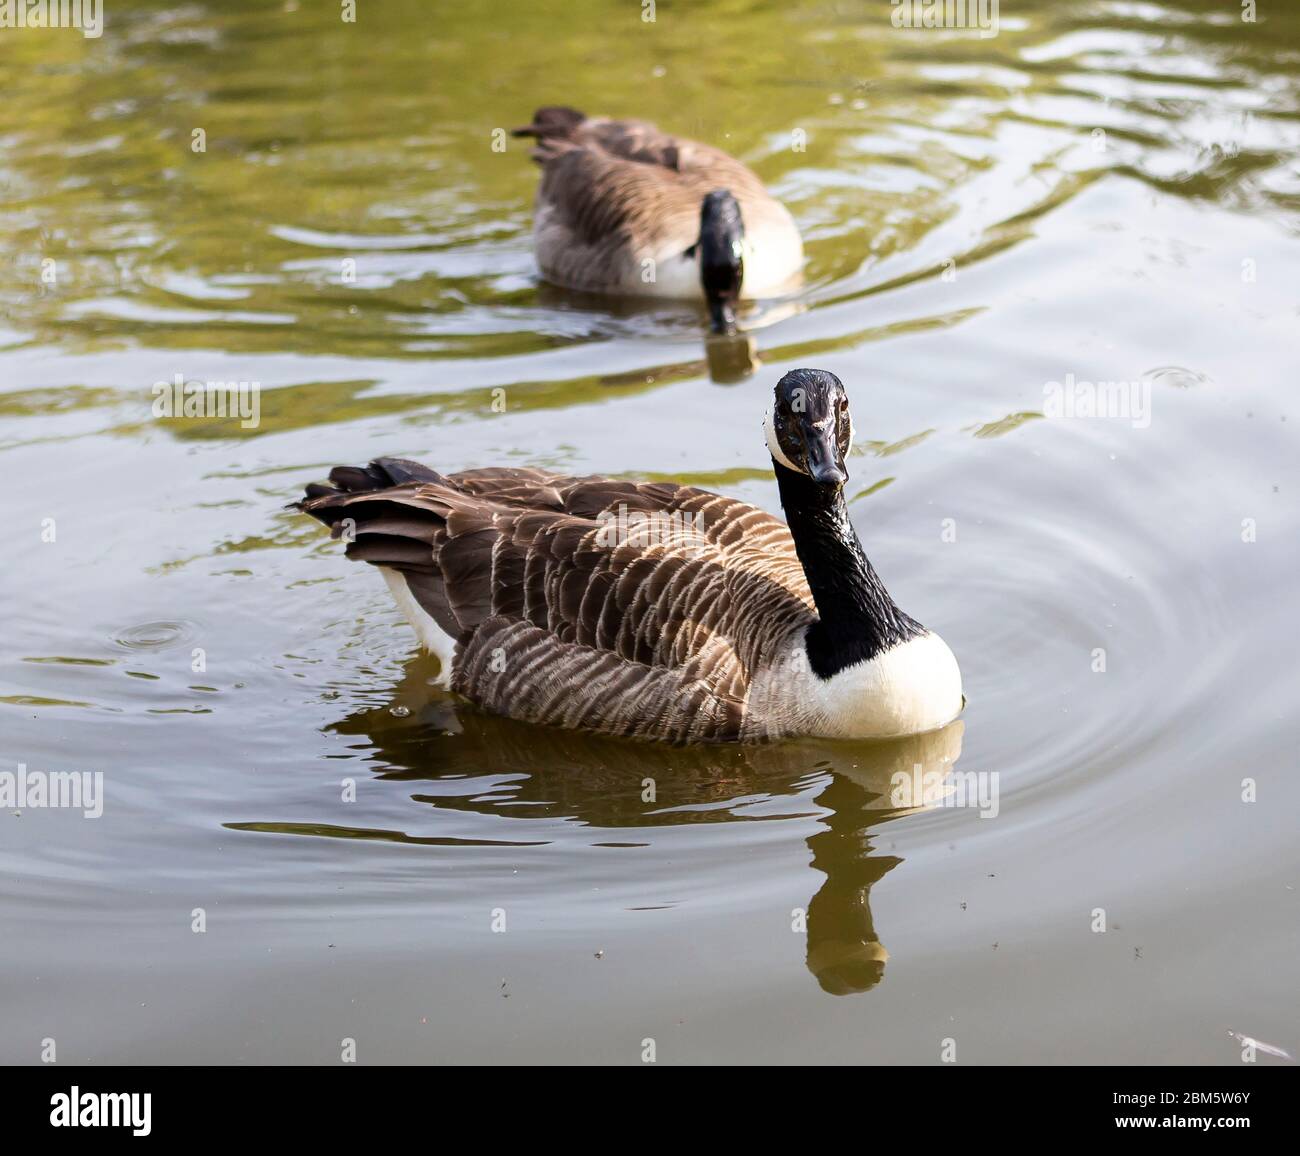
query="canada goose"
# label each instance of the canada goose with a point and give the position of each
(651, 609)
(625, 208)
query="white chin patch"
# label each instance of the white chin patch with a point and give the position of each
(774, 447)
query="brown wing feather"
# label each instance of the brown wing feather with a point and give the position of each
(638, 608)
(559, 131)
(627, 177)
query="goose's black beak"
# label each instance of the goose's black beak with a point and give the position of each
(824, 463)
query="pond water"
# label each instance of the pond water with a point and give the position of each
(1102, 192)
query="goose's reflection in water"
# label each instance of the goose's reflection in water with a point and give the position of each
(868, 785)
(622, 786)
(728, 358)
(732, 357)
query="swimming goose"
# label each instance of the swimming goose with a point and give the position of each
(625, 208)
(651, 609)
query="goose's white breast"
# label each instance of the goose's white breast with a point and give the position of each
(908, 689)
(911, 688)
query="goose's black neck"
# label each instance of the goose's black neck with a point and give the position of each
(857, 619)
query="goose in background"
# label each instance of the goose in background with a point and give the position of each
(626, 209)
(650, 609)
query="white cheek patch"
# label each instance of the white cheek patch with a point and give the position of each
(774, 446)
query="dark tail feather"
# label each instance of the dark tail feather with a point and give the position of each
(378, 475)
(402, 470)
(382, 473)
(386, 518)
(556, 120)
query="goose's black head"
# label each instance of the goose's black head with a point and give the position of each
(809, 429)
(719, 250)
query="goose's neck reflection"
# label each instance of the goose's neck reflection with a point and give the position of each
(844, 951)
(570, 777)
(872, 783)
